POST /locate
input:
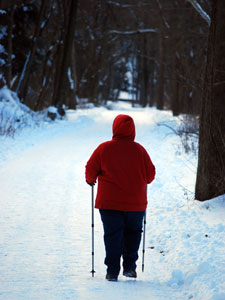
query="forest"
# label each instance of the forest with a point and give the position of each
(165, 54)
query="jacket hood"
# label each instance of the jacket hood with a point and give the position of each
(123, 127)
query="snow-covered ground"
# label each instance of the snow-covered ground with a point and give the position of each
(45, 217)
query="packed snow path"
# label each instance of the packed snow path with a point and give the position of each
(45, 218)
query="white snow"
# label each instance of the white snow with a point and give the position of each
(69, 74)
(125, 95)
(52, 109)
(45, 218)
(15, 116)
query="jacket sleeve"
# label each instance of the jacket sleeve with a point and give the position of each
(93, 167)
(150, 168)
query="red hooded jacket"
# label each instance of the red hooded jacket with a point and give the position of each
(123, 168)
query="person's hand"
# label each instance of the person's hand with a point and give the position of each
(91, 183)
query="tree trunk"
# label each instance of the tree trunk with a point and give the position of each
(23, 82)
(145, 74)
(210, 180)
(175, 101)
(65, 90)
(160, 75)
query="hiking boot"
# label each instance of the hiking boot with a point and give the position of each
(111, 277)
(131, 274)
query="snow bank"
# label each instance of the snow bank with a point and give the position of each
(15, 116)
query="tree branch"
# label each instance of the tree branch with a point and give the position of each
(133, 32)
(118, 4)
(200, 10)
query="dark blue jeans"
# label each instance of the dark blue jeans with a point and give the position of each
(122, 237)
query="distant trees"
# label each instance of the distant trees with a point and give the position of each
(60, 51)
(211, 159)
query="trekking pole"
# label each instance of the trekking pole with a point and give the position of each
(143, 250)
(92, 226)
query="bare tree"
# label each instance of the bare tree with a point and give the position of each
(65, 83)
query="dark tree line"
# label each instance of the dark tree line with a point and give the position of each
(60, 51)
(167, 54)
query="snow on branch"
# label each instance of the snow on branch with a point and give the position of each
(23, 72)
(118, 4)
(200, 10)
(127, 5)
(133, 32)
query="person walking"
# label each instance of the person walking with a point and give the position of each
(123, 169)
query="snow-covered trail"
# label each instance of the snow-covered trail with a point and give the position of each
(45, 219)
